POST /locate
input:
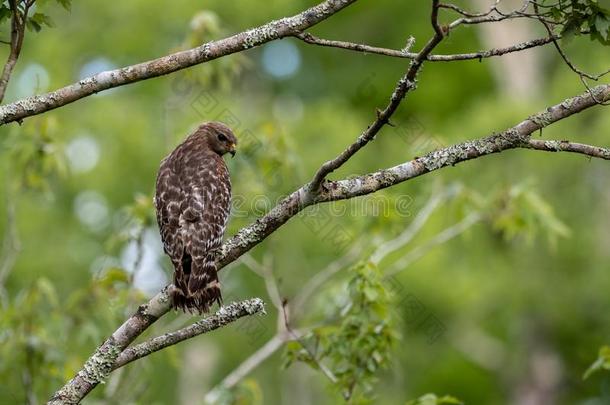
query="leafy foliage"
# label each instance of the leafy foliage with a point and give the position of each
(36, 155)
(206, 26)
(576, 17)
(39, 19)
(36, 323)
(521, 211)
(359, 346)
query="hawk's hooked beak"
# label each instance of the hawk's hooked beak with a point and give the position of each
(232, 149)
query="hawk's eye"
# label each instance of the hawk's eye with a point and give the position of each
(222, 138)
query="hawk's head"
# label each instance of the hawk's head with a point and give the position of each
(219, 137)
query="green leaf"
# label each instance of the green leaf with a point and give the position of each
(570, 29)
(602, 362)
(114, 275)
(33, 25)
(42, 19)
(66, 4)
(602, 25)
(5, 13)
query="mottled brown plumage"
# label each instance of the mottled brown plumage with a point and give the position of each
(193, 201)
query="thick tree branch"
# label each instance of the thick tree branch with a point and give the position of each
(512, 138)
(222, 317)
(273, 30)
(515, 137)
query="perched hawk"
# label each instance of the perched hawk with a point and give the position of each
(193, 200)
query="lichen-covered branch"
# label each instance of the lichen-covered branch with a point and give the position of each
(273, 30)
(113, 353)
(515, 137)
(567, 146)
(101, 363)
(512, 138)
(222, 317)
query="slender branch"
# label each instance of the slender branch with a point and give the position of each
(313, 285)
(405, 84)
(267, 275)
(466, 13)
(409, 232)
(17, 34)
(325, 370)
(271, 31)
(442, 237)
(222, 317)
(248, 365)
(367, 49)
(567, 146)
(494, 14)
(565, 57)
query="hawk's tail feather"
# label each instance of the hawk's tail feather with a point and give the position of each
(195, 303)
(198, 291)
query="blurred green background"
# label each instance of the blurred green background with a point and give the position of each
(519, 300)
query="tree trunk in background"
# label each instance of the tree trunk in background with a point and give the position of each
(198, 364)
(542, 378)
(517, 74)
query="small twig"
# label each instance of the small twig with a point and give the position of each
(469, 14)
(266, 274)
(405, 84)
(18, 21)
(490, 17)
(567, 146)
(582, 74)
(439, 239)
(248, 365)
(319, 279)
(407, 235)
(325, 370)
